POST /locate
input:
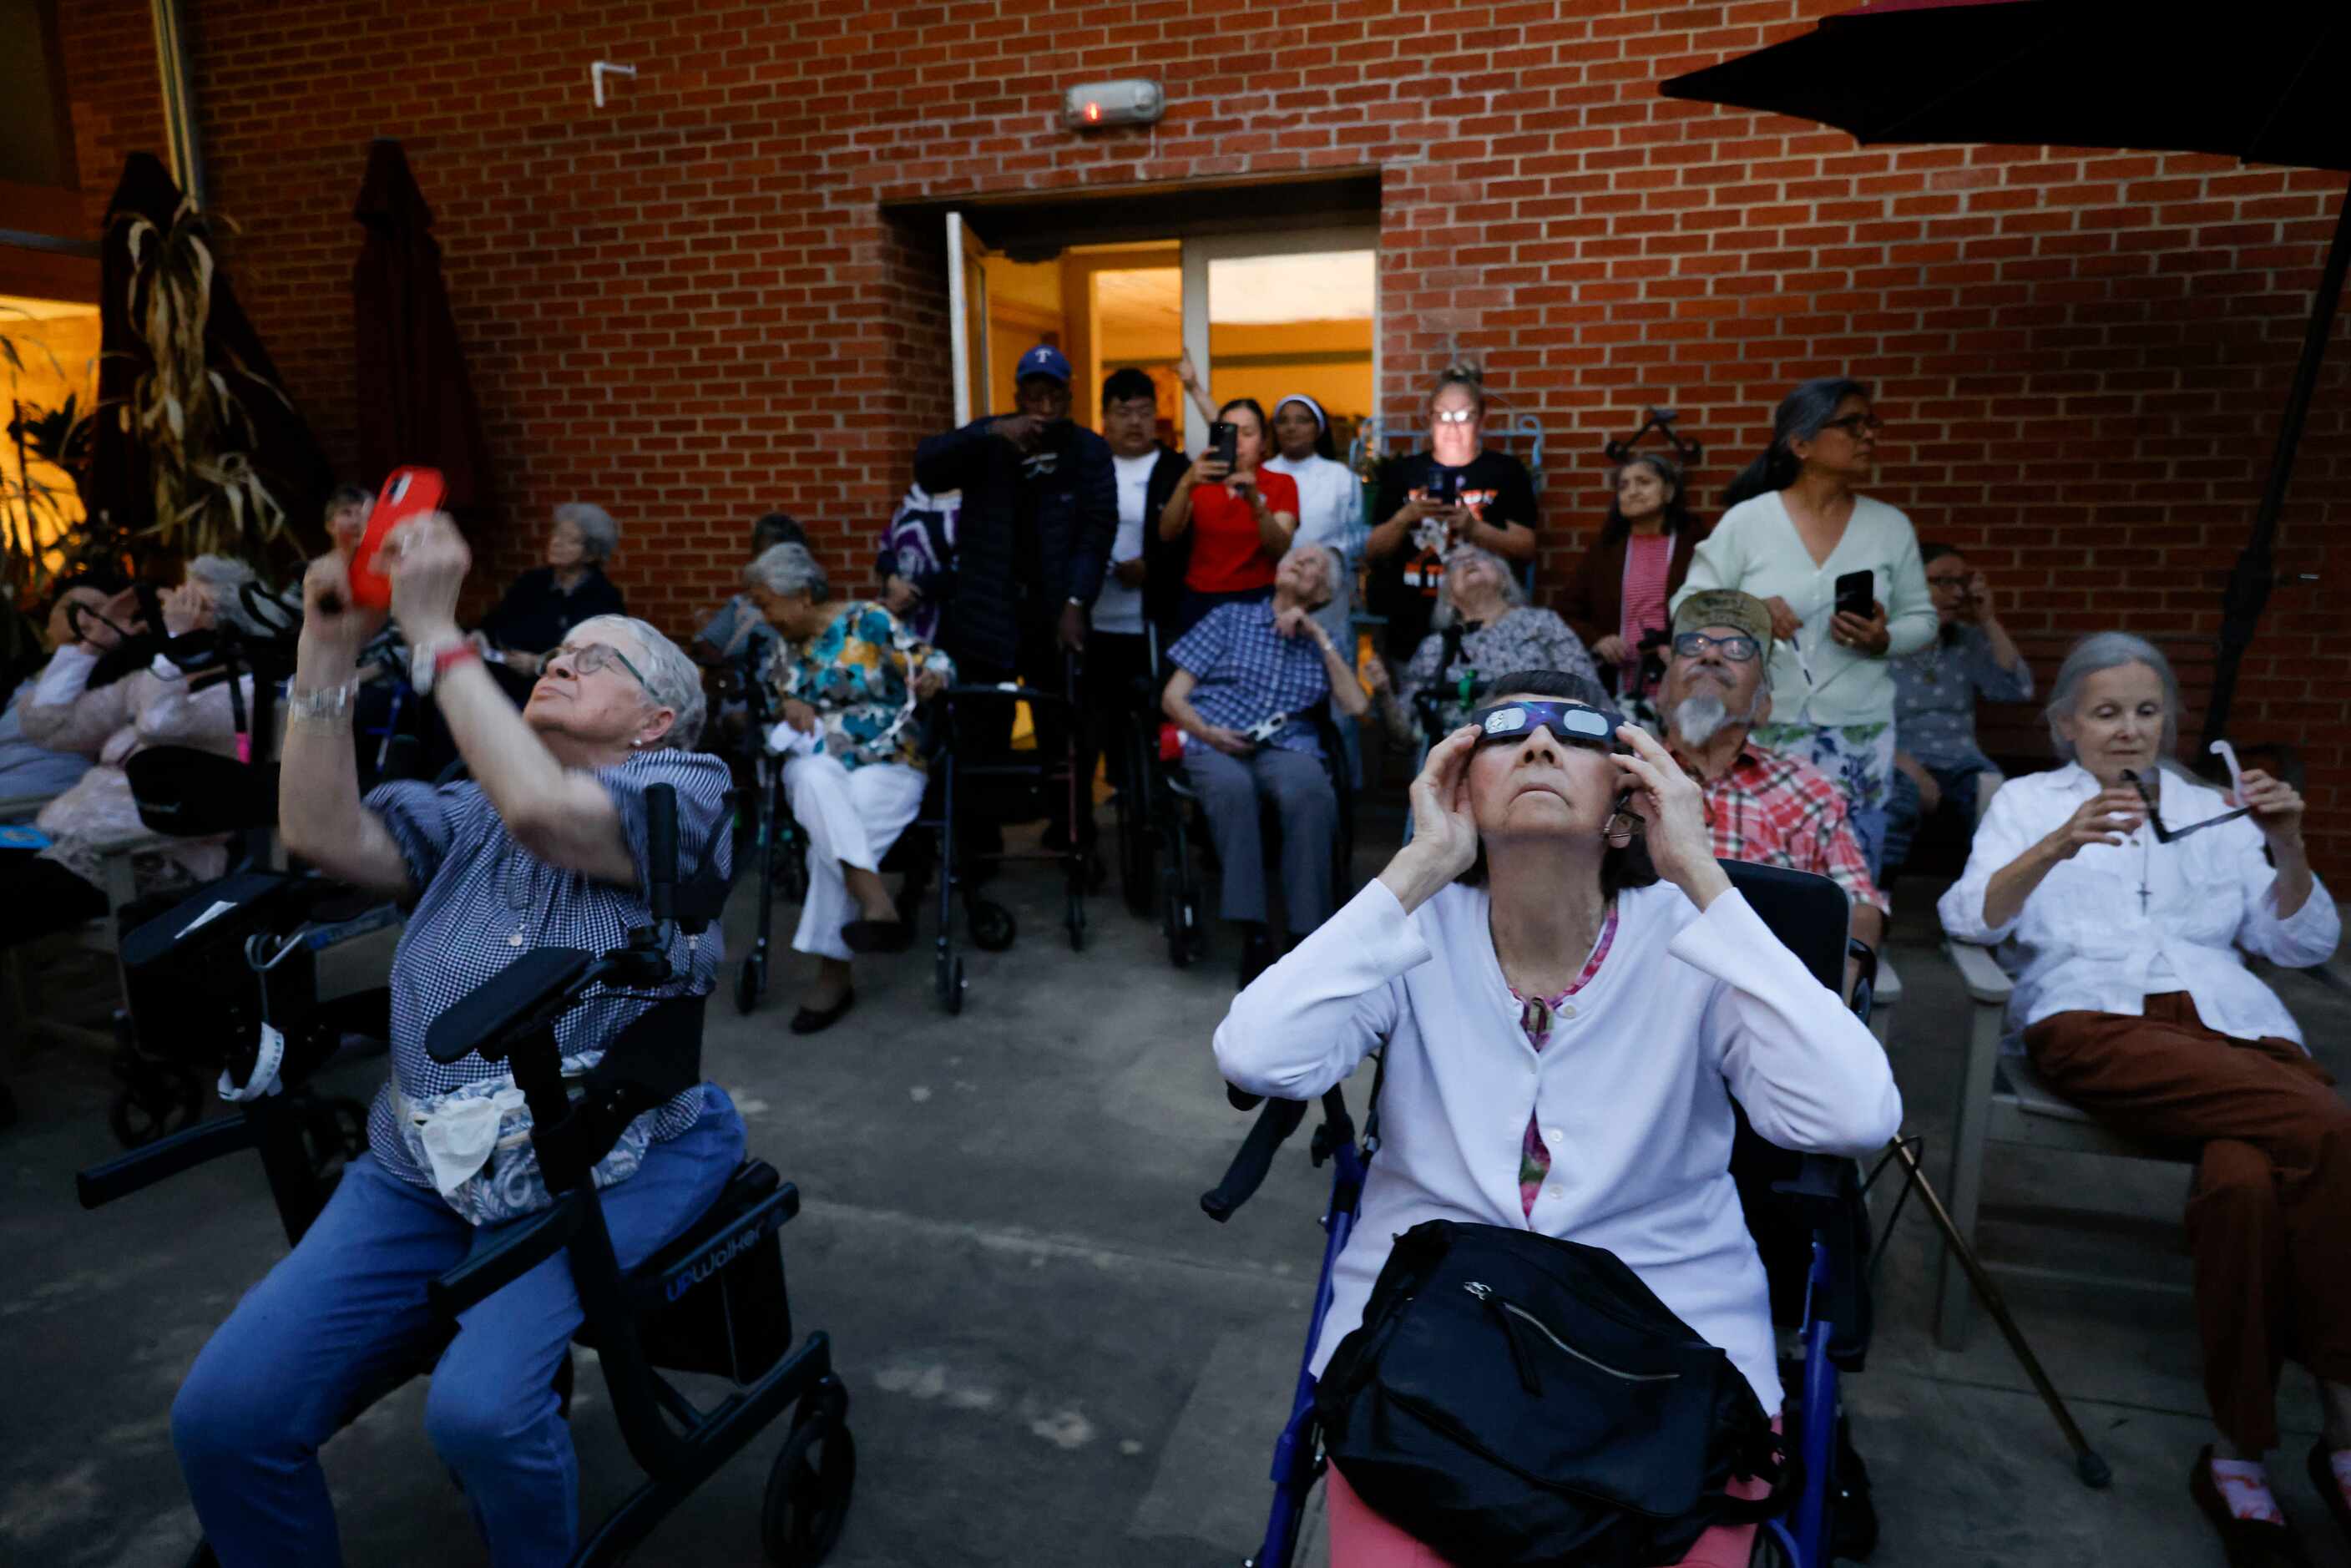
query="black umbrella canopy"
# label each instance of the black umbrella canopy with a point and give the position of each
(416, 400)
(2263, 84)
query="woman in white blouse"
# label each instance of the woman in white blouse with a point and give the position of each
(1520, 916)
(1795, 524)
(2136, 1005)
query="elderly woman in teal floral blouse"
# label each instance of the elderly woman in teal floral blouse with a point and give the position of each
(848, 676)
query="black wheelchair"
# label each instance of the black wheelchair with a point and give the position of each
(1157, 831)
(712, 1301)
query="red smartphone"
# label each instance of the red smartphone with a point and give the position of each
(407, 492)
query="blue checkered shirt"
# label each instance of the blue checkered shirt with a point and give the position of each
(1247, 673)
(479, 891)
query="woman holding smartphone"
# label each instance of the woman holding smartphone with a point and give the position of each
(1240, 516)
(1798, 536)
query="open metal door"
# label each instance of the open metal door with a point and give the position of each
(967, 320)
(1204, 257)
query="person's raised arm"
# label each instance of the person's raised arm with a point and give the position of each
(562, 815)
(950, 460)
(321, 816)
(1177, 514)
(1910, 618)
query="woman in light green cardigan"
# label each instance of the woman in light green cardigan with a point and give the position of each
(1794, 525)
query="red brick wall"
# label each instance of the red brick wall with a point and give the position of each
(690, 307)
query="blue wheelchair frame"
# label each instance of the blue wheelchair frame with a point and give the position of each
(1802, 1537)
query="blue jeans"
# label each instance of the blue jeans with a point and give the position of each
(1904, 818)
(343, 1319)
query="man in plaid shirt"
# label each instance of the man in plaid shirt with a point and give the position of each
(1762, 806)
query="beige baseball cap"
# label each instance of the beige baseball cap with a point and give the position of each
(1726, 607)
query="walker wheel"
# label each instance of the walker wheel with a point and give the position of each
(808, 1492)
(992, 927)
(748, 984)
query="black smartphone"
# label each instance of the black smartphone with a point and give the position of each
(1223, 442)
(1857, 594)
(1444, 487)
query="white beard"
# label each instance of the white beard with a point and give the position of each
(1698, 719)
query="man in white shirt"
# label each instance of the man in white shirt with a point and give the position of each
(1119, 676)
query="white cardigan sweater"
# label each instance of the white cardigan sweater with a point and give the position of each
(1632, 1094)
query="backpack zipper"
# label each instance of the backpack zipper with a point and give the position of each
(1514, 1313)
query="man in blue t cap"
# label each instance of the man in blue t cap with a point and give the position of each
(1040, 517)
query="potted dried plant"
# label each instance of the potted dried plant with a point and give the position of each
(186, 405)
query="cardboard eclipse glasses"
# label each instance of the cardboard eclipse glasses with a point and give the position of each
(1572, 723)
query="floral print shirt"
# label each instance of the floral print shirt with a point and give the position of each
(1534, 1155)
(859, 674)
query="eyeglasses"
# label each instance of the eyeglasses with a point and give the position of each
(1854, 424)
(1738, 648)
(1949, 580)
(2164, 835)
(1455, 416)
(1570, 722)
(587, 658)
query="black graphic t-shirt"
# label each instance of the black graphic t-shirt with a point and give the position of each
(1497, 489)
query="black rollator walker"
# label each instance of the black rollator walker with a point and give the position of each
(712, 1301)
(780, 847)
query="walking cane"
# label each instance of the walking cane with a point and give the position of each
(2087, 1462)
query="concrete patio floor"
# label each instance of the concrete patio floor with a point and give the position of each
(1054, 1358)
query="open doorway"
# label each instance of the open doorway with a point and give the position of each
(1276, 295)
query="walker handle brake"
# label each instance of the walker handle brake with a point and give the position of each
(1246, 1173)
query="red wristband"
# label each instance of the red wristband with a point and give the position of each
(453, 654)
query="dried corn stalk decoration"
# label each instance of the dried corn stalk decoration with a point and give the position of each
(184, 410)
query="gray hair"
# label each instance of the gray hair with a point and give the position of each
(1514, 592)
(671, 680)
(788, 569)
(600, 535)
(226, 577)
(1332, 566)
(2103, 651)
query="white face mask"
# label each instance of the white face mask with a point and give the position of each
(459, 1137)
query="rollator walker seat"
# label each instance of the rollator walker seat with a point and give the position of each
(711, 1302)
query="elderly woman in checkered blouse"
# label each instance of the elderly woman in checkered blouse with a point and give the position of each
(545, 845)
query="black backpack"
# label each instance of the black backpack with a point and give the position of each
(1513, 1400)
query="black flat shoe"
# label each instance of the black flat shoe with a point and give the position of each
(2330, 1490)
(808, 1020)
(878, 935)
(2249, 1542)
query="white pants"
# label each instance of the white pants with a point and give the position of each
(851, 817)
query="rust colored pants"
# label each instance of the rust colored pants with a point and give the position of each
(2269, 1225)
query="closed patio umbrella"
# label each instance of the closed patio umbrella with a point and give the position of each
(415, 401)
(2264, 85)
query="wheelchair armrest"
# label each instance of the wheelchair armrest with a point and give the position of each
(1987, 982)
(183, 1150)
(1246, 1173)
(523, 1246)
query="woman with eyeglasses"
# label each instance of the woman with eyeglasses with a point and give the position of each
(2125, 888)
(1796, 524)
(547, 844)
(1483, 626)
(1456, 493)
(847, 676)
(1561, 889)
